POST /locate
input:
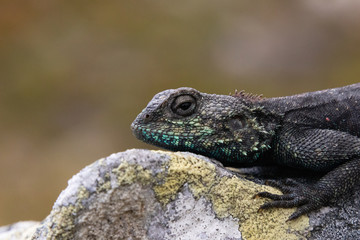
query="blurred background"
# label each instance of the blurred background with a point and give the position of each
(74, 74)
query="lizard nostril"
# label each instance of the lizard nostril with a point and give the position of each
(147, 116)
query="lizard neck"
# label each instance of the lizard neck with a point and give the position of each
(246, 135)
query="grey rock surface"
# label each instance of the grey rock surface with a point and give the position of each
(19, 230)
(142, 194)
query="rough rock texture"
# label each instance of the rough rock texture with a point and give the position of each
(19, 230)
(142, 194)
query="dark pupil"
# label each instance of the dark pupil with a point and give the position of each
(185, 106)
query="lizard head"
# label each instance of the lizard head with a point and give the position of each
(218, 126)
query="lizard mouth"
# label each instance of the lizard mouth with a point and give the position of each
(145, 134)
(137, 126)
(133, 127)
(136, 130)
(152, 137)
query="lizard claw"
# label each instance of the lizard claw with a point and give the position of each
(294, 195)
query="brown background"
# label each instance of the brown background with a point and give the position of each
(74, 74)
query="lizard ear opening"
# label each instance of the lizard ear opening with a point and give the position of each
(184, 105)
(237, 123)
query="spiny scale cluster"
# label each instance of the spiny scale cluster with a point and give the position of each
(247, 96)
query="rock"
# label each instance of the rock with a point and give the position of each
(142, 194)
(19, 231)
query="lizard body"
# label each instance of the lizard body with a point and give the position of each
(316, 131)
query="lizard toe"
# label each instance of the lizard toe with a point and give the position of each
(302, 210)
(284, 203)
(283, 187)
(295, 195)
(275, 196)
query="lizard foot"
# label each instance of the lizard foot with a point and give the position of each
(294, 195)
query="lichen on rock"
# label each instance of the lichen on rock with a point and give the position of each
(142, 194)
(229, 196)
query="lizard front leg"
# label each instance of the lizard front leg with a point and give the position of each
(311, 197)
(322, 149)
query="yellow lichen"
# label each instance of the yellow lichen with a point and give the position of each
(128, 173)
(83, 193)
(196, 172)
(230, 196)
(62, 222)
(62, 218)
(234, 196)
(105, 185)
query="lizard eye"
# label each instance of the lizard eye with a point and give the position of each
(184, 105)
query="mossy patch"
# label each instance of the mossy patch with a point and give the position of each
(62, 223)
(234, 196)
(230, 196)
(104, 184)
(62, 219)
(197, 173)
(128, 173)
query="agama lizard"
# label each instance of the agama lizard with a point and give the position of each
(315, 131)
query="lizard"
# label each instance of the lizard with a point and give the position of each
(316, 131)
